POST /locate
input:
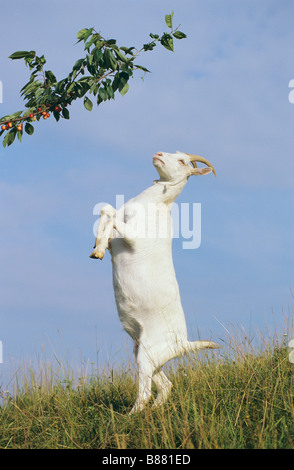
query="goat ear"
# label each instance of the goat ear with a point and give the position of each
(201, 171)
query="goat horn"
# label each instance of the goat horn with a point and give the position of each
(197, 158)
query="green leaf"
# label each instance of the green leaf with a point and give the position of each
(179, 35)
(127, 50)
(41, 60)
(56, 115)
(88, 104)
(124, 89)
(99, 44)
(70, 88)
(115, 82)
(65, 113)
(167, 42)
(128, 69)
(82, 87)
(97, 54)
(110, 92)
(22, 55)
(91, 41)
(32, 87)
(99, 100)
(50, 77)
(124, 76)
(29, 128)
(110, 59)
(92, 69)
(15, 115)
(103, 94)
(88, 34)
(81, 34)
(60, 86)
(78, 64)
(9, 138)
(19, 135)
(120, 55)
(94, 89)
(142, 68)
(169, 20)
(5, 118)
(5, 140)
(89, 60)
(149, 47)
(28, 83)
(110, 42)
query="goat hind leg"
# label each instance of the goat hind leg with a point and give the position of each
(145, 373)
(164, 387)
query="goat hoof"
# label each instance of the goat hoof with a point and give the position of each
(97, 255)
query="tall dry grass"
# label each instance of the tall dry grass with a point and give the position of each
(239, 397)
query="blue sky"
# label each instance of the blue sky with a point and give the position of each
(223, 94)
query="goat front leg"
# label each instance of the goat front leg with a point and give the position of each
(104, 232)
(125, 231)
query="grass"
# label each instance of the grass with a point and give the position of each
(242, 400)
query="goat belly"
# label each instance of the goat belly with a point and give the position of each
(148, 300)
(144, 287)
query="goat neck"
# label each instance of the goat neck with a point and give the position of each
(164, 191)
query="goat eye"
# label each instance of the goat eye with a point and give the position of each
(182, 162)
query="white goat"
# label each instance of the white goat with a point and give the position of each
(139, 238)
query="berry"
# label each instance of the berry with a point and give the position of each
(3, 128)
(19, 127)
(9, 125)
(39, 110)
(31, 115)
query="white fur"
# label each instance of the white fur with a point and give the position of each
(139, 238)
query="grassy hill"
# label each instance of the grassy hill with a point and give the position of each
(240, 402)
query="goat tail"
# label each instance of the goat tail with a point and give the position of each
(193, 346)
